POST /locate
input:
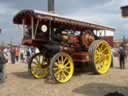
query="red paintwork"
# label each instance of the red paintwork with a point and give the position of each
(80, 56)
(74, 39)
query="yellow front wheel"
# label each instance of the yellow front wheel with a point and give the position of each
(38, 66)
(100, 56)
(61, 67)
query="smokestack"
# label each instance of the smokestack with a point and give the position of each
(51, 6)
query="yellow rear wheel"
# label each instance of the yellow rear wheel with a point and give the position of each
(39, 66)
(61, 67)
(100, 56)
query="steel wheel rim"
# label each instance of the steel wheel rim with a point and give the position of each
(102, 57)
(63, 68)
(37, 69)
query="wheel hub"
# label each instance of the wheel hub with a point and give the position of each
(61, 66)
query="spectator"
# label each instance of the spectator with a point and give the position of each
(112, 57)
(12, 51)
(22, 55)
(27, 56)
(3, 60)
(17, 52)
(122, 56)
(8, 55)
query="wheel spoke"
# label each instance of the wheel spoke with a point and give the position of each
(66, 71)
(58, 60)
(97, 61)
(61, 76)
(97, 51)
(99, 47)
(56, 64)
(103, 46)
(64, 75)
(57, 72)
(99, 67)
(37, 59)
(33, 62)
(36, 70)
(67, 67)
(104, 49)
(62, 59)
(97, 58)
(65, 59)
(67, 63)
(58, 75)
(42, 59)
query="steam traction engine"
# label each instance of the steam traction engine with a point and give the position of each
(62, 42)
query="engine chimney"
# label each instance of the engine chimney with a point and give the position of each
(51, 6)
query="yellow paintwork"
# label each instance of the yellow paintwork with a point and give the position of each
(37, 70)
(63, 68)
(102, 57)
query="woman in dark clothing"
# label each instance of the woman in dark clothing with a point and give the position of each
(21, 57)
(122, 56)
(12, 51)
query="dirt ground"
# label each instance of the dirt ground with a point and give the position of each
(20, 83)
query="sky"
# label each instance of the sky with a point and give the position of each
(103, 12)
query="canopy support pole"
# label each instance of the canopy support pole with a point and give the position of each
(50, 30)
(23, 22)
(37, 24)
(104, 32)
(32, 25)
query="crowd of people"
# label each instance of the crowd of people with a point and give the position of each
(18, 55)
(14, 55)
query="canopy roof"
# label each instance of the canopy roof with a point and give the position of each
(57, 19)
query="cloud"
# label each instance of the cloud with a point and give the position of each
(71, 6)
(6, 9)
(6, 14)
(27, 4)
